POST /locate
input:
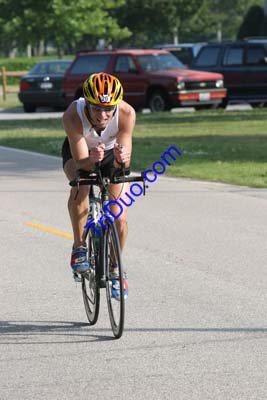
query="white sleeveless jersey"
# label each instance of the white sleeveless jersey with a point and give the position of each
(107, 136)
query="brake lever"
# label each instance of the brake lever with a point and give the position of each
(144, 183)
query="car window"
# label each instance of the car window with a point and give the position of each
(233, 56)
(50, 68)
(125, 63)
(208, 57)
(58, 68)
(41, 68)
(90, 63)
(159, 62)
(255, 55)
(185, 55)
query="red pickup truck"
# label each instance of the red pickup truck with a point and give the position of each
(150, 78)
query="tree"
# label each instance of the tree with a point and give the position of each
(85, 19)
(63, 21)
(153, 21)
(253, 24)
(218, 17)
(23, 22)
(134, 23)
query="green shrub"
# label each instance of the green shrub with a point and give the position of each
(22, 64)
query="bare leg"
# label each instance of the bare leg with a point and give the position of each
(78, 208)
(118, 191)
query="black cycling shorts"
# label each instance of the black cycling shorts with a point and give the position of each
(107, 167)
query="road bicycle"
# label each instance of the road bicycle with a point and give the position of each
(101, 236)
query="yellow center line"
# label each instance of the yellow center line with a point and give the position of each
(50, 230)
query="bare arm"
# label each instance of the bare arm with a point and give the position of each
(78, 145)
(126, 126)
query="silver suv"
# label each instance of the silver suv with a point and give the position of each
(185, 52)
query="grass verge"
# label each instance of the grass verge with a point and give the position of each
(11, 99)
(216, 145)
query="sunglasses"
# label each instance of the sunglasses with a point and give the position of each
(97, 108)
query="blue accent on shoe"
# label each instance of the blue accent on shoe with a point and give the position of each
(115, 283)
(125, 287)
(115, 289)
(79, 262)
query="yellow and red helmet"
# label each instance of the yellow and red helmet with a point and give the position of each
(103, 89)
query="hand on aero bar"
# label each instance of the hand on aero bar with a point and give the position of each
(97, 153)
(121, 154)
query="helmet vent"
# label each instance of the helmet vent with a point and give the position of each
(103, 88)
(91, 92)
(106, 88)
(97, 85)
(118, 94)
(114, 86)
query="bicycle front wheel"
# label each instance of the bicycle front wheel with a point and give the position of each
(90, 288)
(116, 306)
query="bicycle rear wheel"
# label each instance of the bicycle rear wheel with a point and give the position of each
(116, 307)
(90, 288)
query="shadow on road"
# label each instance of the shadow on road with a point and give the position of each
(32, 332)
(29, 332)
(219, 330)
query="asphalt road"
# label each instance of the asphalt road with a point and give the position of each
(196, 317)
(17, 113)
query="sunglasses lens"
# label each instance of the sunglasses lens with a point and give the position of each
(101, 108)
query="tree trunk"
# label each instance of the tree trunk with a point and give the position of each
(29, 51)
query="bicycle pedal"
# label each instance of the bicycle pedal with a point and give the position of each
(77, 277)
(102, 282)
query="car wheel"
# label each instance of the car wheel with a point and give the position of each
(158, 102)
(223, 104)
(257, 105)
(29, 107)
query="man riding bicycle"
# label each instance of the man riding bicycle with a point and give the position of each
(99, 128)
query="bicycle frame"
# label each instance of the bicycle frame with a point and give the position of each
(103, 249)
(101, 268)
(85, 178)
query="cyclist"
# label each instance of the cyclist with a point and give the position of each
(99, 128)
